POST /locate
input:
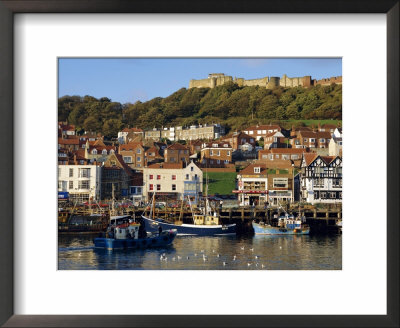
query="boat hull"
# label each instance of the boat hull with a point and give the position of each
(165, 239)
(269, 230)
(191, 229)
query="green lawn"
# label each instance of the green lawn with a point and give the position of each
(219, 182)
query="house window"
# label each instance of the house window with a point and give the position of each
(133, 190)
(191, 168)
(211, 152)
(71, 185)
(138, 165)
(228, 153)
(173, 177)
(322, 140)
(312, 140)
(127, 159)
(226, 161)
(139, 190)
(60, 184)
(211, 162)
(151, 177)
(295, 156)
(195, 176)
(139, 151)
(187, 176)
(305, 140)
(251, 140)
(104, 152)
(173, 187)
(138, 159)
(158, 177)
(84, 173)
(218, 161)
(323, 194)
(276, 156)
(158, 187)
(83, 184)
(280, 182)
(150, 187)
(258, 132)
(332, 195)
(71, 173)
(218, 153)
(94, 151)
(257, 169)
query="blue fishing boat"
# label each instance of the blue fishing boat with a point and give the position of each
(287, 225)
(123, 233)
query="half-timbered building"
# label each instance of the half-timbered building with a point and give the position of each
(321, 179)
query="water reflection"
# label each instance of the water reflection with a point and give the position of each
(305, 252)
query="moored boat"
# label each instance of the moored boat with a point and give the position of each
(206, 223)
(287, 225)
(123, 233)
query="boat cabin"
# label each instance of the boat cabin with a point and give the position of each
(289, 222)
(124, 227)
(201, 219)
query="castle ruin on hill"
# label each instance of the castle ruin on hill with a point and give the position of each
(216, 79)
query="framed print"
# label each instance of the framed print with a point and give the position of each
(47, 59)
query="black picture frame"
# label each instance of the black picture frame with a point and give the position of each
(7, 10)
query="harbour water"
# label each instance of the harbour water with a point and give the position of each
(259, 252)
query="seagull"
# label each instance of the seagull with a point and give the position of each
(256, 257)
(195, 254)
(256, 264)
(205, 258)
(280, 247)
(242, 248)
(248, 264)
(213, 250)
(202, 251)
(218, 255)
(187, 257)
(179, 257)
(173, 259)
(224, 263)
(252, 249)
(234, 257)
(263, 266)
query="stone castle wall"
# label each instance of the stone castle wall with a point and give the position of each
(217, 79)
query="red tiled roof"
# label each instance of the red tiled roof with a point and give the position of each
(166, 166)
(249, 170)
(328, 159)
(309, 158)
(263, 127)
(316, 135)
(177, 146)
(74, 141)
(130, 146)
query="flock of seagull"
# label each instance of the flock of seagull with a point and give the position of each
(205, 257)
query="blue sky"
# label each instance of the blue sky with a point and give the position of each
(131, 79)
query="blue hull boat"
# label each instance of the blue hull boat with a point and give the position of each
(164, 239)
(190, 229)
(261, 229)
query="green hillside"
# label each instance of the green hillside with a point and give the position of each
(231, 105)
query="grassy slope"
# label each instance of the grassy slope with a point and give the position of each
(220, 182)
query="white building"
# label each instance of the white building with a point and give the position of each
(82, 182)
(172, 180)
(321, 179)
(252, 187)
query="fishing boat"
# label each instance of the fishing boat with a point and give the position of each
(123, 233)
(287, 225)
(205, 223)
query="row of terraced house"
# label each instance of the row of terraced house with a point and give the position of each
(278, 165)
